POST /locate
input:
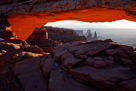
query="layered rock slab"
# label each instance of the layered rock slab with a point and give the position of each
(99, 68)
(58, 79)
(29, 74)
(13, 50)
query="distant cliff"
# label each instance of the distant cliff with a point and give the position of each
(48, 37)
(64, 35)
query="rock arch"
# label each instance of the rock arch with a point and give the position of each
(25, 16)
(23, 25)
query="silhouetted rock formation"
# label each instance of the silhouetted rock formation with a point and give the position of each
(3, 21)
(88, 32)
(90, 37)
(7, 34)
(4, 24)
(95, 36)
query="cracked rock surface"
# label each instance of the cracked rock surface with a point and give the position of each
(31, 6)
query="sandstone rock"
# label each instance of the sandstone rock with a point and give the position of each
(66, 83)
(108, 40)
(61, 5)
(7, 34)
(96, 61)
(42, 6)
(59, 50)
(5, 2)
(56, 36)
(29, 74)
(69, 60)
(126, 61)
(99, 64)
(38, 34)
(11, 51)
(33, 48)
(69, 68)
(103, 69)
(47, 64)
(128, 85)
(64, 35)
(126, 48)
(95, 48)
(3, 21)
(3, 52)
(76, 43)
(117, 52)
(56, 75)
(101, 78)
(17, 41)
(24, 55)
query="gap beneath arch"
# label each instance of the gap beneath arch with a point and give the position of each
(24, 25)
(121, 31)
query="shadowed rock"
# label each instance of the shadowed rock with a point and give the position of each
(101, 65)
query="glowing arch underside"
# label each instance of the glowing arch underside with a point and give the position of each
(24, 25)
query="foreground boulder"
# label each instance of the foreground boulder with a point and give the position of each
(12, 51)
(105, 65)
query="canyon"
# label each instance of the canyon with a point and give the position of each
(101, 65)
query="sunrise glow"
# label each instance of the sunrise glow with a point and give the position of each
(79, 24)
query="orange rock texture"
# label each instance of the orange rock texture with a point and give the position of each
(24, 24)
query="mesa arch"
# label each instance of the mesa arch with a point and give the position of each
(24, 25)
(24, 16)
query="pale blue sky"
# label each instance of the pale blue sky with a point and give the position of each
(79, 24)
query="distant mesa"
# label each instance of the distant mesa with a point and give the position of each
(48, 37)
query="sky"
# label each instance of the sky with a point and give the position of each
(79, 24)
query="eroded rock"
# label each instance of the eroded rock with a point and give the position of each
(100, 65)
(106, 64)
(29, 74)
